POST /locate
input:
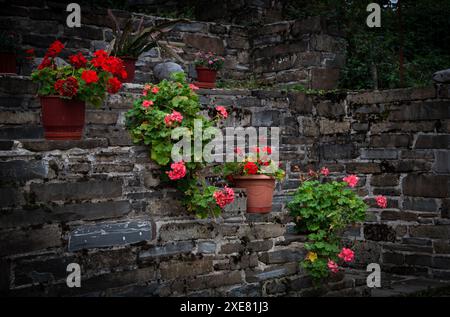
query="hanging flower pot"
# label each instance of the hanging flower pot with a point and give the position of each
(206, 78)
(63, 119)
(259, 192)
(257, 173)
(8, 63)
(64, 91)
(207, 65)
(130, 68)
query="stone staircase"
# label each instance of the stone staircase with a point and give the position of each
(57, 196)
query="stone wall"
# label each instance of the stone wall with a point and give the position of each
(295, 51)
(56, 196)
(306, 51)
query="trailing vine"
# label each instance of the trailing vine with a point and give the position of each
(164, 112)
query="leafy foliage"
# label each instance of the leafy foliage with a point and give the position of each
(132, 43)
(147, 126)
(373, 53)
(323, 210)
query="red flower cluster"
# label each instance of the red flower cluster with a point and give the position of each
(78, 60)
(114, 85)
(222, 111)
(108, 63)
(68, 87)
(178, 170)
(175, 116)
(89, 76)
(55, 48)
(224, 197)
(46, 62)
(250, 168)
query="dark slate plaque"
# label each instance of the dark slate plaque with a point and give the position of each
(110, 234)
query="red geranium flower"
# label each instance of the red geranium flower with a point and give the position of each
(89, 76)
(78, 60)
(114, 85)
(267, 149)
(67, 87)
(55, 48)
(46, 62)
(251, 168)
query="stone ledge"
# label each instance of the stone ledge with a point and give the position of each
(40, 145)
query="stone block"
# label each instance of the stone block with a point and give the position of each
(282, 255)
(334, 127)
(232, 247)
(385, 180)
(430, 231)
(187, 231)
(177, 270)
(75, 191)
(259, 245)
(382, 154)
(23, 241)
(111, 234)
(431, 110)
(379, 232)
(51, 145)
(332, 151)
(20, 171)
(390, 140)
(420, 204)
(442, 162)
(166, 250)
(436, 186)
(363, 168)
(214, 44)
(427, 141)
(266, 118)
(329, 109)
(324, 78)
(21, 132)
(300, 102)
(206, 247)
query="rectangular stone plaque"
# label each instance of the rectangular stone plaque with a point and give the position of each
(110, 234)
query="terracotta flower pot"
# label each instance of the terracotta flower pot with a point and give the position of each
(206, 78)
(130, 68)
(8, 63)
(63, 119)
(259, 192)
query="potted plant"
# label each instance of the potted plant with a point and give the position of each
(257, 174)
(8, 53)
(163, 111)
(128, 43)
(323, 209)
(207, 65)
(64, 90)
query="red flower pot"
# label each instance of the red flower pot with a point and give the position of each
(130, 68)
(206, 78)
(63, 119)
(259, 192)
(8, 63)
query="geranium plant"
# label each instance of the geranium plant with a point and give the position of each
(84, 79)
(257, 162)
(173, 104)
(209, 60)
(323, 210)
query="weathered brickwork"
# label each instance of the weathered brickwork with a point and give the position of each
(294, 51)
(51, 191)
